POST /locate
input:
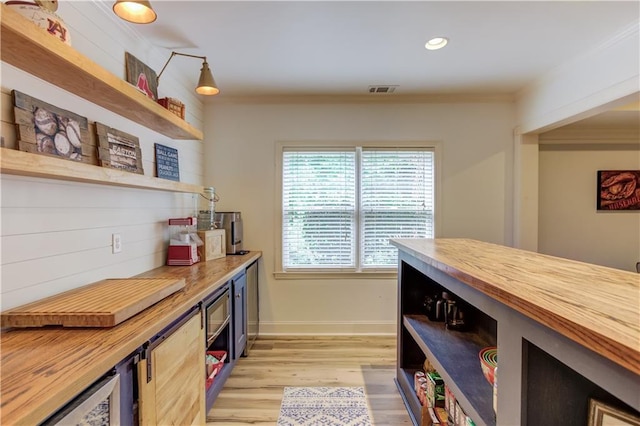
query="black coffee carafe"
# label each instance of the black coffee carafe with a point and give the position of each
(453, 314)
(434, 307)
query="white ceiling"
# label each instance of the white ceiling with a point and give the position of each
(341, 47)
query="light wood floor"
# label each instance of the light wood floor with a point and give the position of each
(253, 393)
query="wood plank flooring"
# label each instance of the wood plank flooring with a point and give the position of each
(253, 393)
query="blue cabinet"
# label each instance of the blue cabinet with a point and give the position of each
(239, 286)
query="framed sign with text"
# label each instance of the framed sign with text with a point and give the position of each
(618, 190)
(118, 150)
(167, 163)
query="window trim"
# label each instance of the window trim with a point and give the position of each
(315, 145)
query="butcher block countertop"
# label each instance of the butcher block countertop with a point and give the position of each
(42, 369)
(595, 306)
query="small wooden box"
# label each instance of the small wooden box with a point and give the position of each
(173, 105)
(215, 244)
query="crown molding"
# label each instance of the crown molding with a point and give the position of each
(357, 99)
(630, 32)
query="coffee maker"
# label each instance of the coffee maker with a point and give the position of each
(231, 222)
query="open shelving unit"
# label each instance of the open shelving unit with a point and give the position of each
(20, 163)
(28, 47)
(455, 357)
(454, 354)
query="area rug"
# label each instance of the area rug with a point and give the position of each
(324, 406)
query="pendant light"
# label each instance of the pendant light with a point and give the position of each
(206, 83)
(138, 12)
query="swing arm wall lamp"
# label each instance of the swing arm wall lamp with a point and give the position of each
(206, 83)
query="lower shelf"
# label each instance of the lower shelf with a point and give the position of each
(404, 381)
(455, 356)
(218, 383)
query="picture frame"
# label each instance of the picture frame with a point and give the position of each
(118, 150)
(141, 76)
(603, 414)
(618, 190)
(167, 165)
(45, 129)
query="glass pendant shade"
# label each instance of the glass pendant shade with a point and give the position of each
(138, 12)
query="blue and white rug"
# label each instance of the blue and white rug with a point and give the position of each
(324, 406)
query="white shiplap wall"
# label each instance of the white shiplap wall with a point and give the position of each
(56, 235)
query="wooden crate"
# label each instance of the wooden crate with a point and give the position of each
(215, 244)
(173, 105)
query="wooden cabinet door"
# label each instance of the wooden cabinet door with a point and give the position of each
(174, 395)
(239, 315)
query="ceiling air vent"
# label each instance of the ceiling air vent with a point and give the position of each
(382, 89)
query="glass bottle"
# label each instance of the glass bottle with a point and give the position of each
(206, 209)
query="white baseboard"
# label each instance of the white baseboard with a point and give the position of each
(327, 328)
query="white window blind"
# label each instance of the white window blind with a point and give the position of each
(396, 202)
(319, 207)
(341, 207)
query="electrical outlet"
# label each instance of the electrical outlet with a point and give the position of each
(116, 243)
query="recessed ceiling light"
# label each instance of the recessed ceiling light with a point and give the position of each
(436, 43)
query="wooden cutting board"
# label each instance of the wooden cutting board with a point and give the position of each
(102, 304)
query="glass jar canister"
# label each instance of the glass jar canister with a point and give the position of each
(206, 209)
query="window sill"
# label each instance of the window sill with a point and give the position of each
(319, 275)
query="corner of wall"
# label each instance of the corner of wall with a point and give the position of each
(584, 85)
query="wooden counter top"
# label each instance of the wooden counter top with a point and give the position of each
(42, 369)
(595, 306)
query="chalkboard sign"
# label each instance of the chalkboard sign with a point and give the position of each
(167, 163)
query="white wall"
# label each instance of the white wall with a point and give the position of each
(605, 77)
(56, 235)
(569, 224)
(240, 160)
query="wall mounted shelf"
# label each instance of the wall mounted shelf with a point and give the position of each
(20, 163)
(28, 47)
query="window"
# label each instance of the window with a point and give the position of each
(340, 206)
